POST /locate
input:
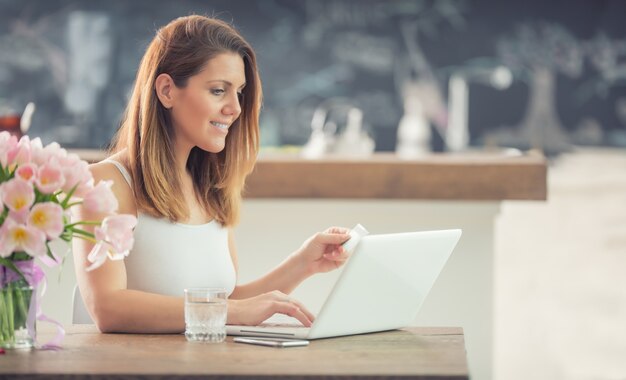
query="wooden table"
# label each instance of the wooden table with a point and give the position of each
(412, 353)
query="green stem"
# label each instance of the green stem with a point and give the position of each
(86, 222)
(84, 234)
(22, 300)
(10, 313)
(4, 316)
(65, 202)
(4, 214)
(14, 308)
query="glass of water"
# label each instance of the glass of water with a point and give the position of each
(205, 314)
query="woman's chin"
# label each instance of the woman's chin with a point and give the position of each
(213, 147)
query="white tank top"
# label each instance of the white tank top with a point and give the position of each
(169, 257)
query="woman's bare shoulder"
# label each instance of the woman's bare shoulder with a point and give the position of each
(106, 170)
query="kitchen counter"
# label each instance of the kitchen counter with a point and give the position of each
(384, 176)
(468, 176)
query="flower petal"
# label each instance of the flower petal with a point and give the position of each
(97, 256)
(101, 199)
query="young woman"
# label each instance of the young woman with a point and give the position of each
(188, 140)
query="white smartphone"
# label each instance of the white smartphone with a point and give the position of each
(272, 342)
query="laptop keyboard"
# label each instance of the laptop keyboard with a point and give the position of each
(281, 320)
(290, 325)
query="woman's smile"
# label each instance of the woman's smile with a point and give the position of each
(222, 127)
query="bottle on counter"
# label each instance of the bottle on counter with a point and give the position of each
(14, 123)
(354, 141)
(414, 134)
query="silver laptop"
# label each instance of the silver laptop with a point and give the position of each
(382, 286)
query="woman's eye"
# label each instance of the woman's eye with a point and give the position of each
(217, 91)
(240, 95)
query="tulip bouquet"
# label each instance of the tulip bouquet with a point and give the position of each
(38, 187)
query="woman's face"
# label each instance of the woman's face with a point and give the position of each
(204, 110)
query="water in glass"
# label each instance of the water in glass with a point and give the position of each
(205, 318)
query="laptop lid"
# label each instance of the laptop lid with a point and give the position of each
(384, 283)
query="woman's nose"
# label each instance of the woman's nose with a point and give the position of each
(232, 107)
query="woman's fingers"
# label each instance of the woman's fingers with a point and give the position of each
(304, 310)
(337, 258)
(292, 310)
(285, 305)
(332, 238)
(338, 230)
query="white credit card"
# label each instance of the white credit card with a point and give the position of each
(356, 234)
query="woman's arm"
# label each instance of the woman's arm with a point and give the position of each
(111, 305)
(114, 308)
(320, 253)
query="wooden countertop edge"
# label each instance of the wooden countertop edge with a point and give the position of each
(435, 177)
(441, 350)
(463, 177)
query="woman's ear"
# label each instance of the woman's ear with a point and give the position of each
(165, 87)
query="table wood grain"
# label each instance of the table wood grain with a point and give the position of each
(411, 353)
(481, 177)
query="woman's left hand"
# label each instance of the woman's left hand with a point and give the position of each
(323, 252)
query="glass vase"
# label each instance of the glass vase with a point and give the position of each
(17, 315)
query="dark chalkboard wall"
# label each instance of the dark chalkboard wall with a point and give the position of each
(77, 60)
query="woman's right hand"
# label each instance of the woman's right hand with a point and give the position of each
(253, 311)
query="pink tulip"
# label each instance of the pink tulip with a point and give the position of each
(18, 195)
(7, 143)
(50, 152)
(118, 231)
(4, 252)
(48, 218)
(37, 155)
(27, 172)
(19, 237)
(98, 255)
(19, 216)
(101, 199)
(61, 158)
(49, 178)
(20, 153)
(115, 239)
(65, 158)
(76, 172)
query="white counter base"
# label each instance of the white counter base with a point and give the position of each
(462, 296)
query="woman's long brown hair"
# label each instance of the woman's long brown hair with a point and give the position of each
(181, 49)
